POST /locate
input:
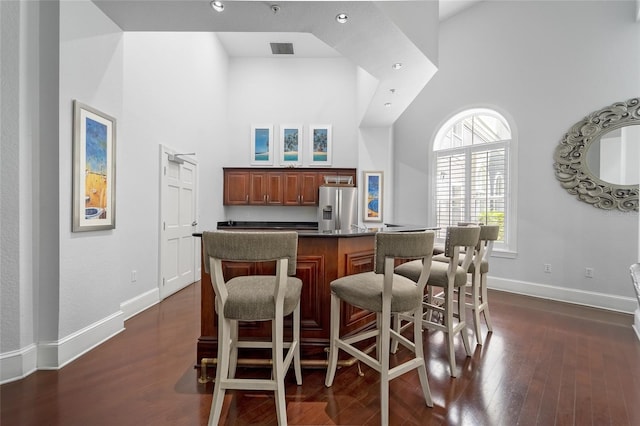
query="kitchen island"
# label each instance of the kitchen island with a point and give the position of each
(322, 258)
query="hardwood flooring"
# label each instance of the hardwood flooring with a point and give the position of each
(546, 363)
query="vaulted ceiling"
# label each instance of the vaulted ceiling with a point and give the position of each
(377, 35)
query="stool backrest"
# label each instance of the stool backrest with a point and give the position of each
(402, 245)
(460, 236)
(251, 246)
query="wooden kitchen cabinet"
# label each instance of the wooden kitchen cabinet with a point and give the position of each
(265, 189)
(276, 186)
(301, 189)
(337, 172)
(236, 187)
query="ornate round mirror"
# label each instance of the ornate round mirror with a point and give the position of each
(598, 159)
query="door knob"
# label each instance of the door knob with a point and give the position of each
(194, 223)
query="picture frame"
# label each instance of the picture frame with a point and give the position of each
(320, 145)
(291, 142)
(262, 145)
(94, 169)
(373, 187)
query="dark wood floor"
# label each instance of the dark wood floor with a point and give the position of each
(546, 363)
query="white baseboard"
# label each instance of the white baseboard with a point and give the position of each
(578, 297)
(139, 303)
(55, 355)
(636, 323)
(16, 365)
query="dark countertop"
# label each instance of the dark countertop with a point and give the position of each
(310, 229)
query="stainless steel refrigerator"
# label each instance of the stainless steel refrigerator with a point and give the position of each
(337, 207)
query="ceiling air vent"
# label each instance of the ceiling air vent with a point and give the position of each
(282, 48)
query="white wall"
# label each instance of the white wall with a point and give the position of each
(547, 65)
(10, 157)
(175, 94)
(29, 80)
(91, 72)
(375, 152)
(163, 89)
(289, 91)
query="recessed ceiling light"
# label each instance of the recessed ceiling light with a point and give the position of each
(217, 5)
(397, 65)
(342, 18)
(388, 104)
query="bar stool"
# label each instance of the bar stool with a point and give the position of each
(449, 276)
(385, 293)
(254, 298)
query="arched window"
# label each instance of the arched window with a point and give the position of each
(471, 172)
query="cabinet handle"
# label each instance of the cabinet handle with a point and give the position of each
(301, 199)
(247, 198)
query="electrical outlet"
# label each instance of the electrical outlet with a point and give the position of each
(134, 276)
(588, 272)
(547, 268)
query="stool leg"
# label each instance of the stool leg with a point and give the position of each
(233, 355)
(448, 318)
(333, 348)
(384, 338)
(485, 302)
(475, 295)
(396, 321)
(278, 368)
(222, 370)
(296, 338)
(462, 309)
(419, 351)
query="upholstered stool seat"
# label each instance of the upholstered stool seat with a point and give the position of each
(484, 265)
(365, 291)
(251, 297)
(438, 277)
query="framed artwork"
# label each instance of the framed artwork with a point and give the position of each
(94, 169)
(262, 145)
(372, 196)
(320, 145)
(291, 144)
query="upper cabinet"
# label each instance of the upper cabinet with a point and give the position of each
(236, 187)
(265, 188)
(300, 188)
(276, 186)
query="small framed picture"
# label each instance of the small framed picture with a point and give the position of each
(320, 145)
(291, 144)
(94, 169)
(262, 145)
(372, 196)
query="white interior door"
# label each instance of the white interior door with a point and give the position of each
(178, 219)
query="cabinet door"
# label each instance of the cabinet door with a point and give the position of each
(308, 189)
(291, 191)
(258, 188)
(265, 189)
(274, 189)
(301, 189)
(236, 188)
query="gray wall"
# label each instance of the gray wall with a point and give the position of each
(545, 65)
